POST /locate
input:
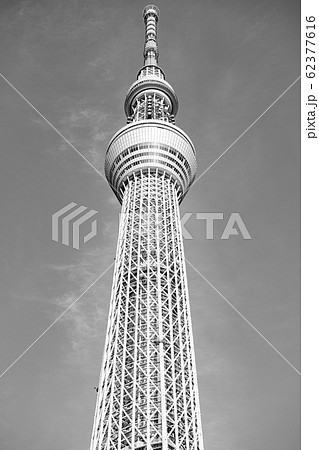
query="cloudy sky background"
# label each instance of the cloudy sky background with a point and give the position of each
(74, 61)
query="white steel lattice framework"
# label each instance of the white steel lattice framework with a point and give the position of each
(147, 395)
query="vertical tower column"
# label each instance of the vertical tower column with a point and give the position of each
(147, 395)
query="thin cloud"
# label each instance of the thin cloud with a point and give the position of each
(85, 321)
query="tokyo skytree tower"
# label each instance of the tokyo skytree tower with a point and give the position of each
(147, 396)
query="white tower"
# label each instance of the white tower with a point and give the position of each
(147, 396)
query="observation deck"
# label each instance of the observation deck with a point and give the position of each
(150, 145)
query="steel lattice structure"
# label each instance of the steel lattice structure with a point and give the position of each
(147, 395)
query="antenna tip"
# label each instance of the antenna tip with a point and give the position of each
(151, 9)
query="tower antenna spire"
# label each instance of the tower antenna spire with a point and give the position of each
(151, 53)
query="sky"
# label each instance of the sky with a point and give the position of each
(74, 61)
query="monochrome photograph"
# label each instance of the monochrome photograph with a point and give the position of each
(150, 226)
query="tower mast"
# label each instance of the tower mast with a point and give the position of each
(148, 397)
